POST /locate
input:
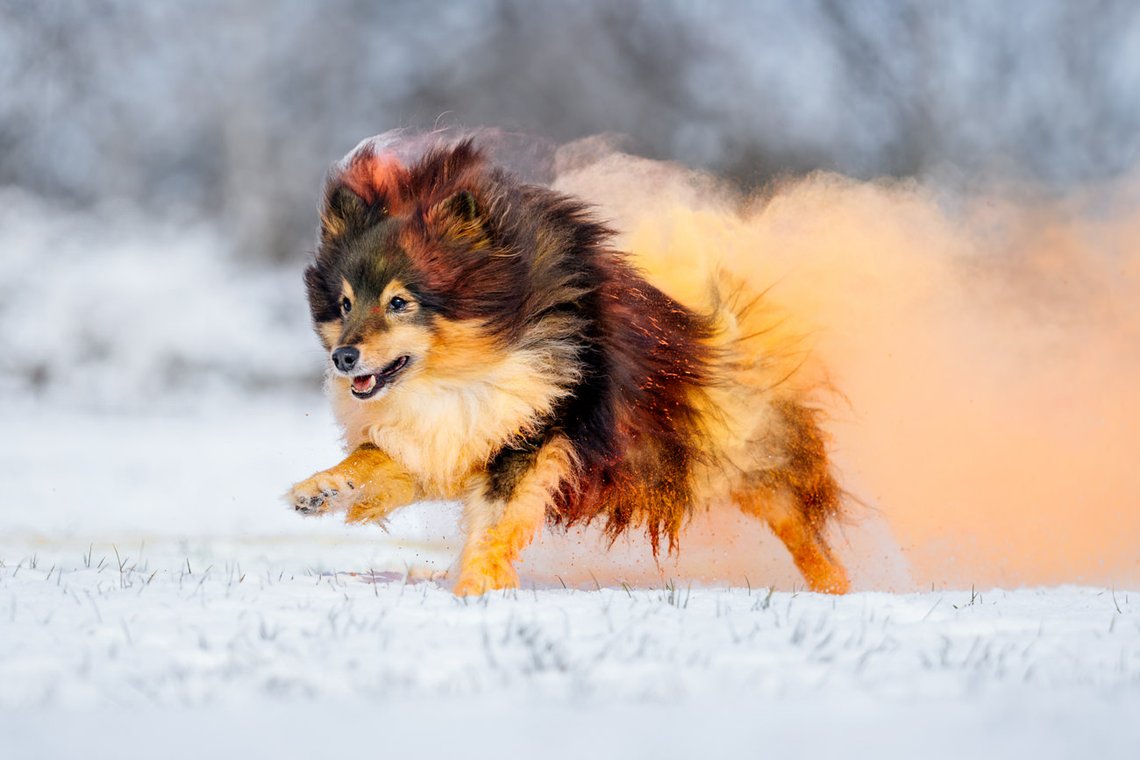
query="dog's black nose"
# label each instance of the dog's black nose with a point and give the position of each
(345, 358)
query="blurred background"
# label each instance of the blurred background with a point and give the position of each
(231, 111)
(209, 124)
(160, 165)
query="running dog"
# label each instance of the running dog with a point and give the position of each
(488, 344)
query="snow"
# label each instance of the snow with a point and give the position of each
(101, 637)
(159, 646)
(160, 587)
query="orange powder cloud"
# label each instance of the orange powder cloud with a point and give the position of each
(987, 345)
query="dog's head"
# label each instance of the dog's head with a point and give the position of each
(413, 274)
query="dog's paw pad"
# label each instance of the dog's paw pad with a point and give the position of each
(309, 505)
(324, 492)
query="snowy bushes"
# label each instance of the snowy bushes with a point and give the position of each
(113, 309)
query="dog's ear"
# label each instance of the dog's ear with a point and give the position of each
(463, 206)
(460, 217)
(342, 210)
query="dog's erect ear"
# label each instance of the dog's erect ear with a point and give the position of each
(459, 217)
(343, 210)
(463, 206)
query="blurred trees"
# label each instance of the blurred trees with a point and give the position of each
(233, 110)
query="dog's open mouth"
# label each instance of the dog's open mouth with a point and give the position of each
(367, 386)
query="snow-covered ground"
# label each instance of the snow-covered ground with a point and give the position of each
(159, 599)
(264, 656)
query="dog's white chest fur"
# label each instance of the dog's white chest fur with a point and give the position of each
(442, 430)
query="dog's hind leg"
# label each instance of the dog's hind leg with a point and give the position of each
(367, 486)
(798, 497)
(809, 549)
(505, 509)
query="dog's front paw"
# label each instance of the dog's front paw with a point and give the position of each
(324, 492)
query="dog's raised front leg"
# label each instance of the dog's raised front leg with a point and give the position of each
(367, 485)
(504, 511)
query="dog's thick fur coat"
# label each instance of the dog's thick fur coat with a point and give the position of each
(490, 346)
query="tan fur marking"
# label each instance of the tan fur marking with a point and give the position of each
(379, 348)
(329, 333)
(367, 485)
(497, 532)
(391, 290)
(443, 217)
(331, 224)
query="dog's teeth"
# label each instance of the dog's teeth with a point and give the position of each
(364, 385)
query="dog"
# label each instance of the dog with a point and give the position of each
(488, 344)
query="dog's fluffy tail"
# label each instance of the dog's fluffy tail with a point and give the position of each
(761, 345)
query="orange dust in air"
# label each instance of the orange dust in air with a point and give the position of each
(985, 345)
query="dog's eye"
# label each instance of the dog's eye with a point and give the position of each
(397, 304)
(345, 305)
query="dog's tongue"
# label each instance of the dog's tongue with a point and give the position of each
(363, 383)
